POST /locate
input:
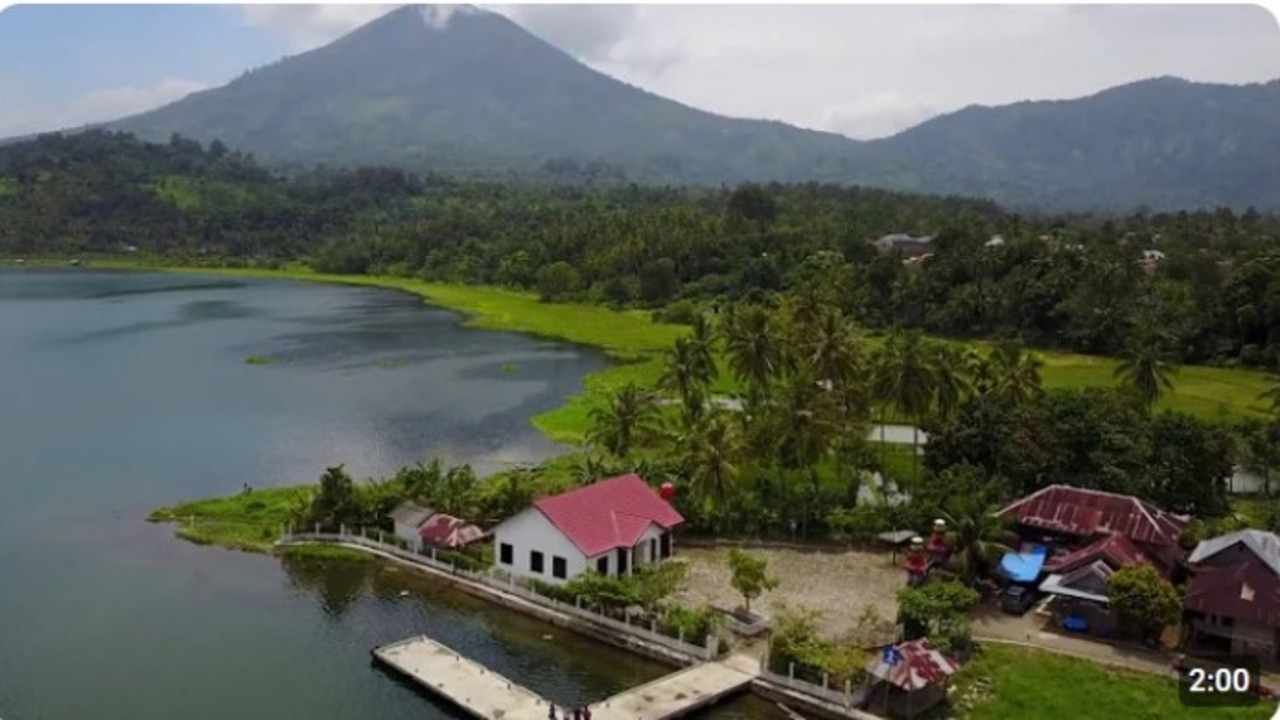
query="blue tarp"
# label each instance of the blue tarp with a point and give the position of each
(1023, 567)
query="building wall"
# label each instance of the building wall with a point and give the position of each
(530, 530)
(408, 533)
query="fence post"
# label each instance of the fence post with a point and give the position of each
(711, 646)
(626, 616)
(680, 636)
(577, 601)
(653, 626)
(848, 691)
(380, 540)
(791, 670)
(317, 528)
(433, 554)
(824, 681)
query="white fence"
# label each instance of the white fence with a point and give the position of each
(847, 696)
(428, 558)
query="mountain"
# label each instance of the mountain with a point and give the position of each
(466, 91)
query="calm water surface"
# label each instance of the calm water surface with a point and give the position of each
(120, 392)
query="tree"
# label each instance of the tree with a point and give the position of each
(750, 576)
(952, 386)
(905, 379)
(752, 203)
(929, 608)
(1272, 396)
(753, 350)
(557, 280)
(977, 537)
(710, 458)
(1191, 462)
(1143, 599)
(336, 502)
(628, 420)
(1017, 373)
(830, 347)
(688, 371)
(1145, 371)
(658, 280)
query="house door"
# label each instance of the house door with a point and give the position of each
(622, 561)
(666, 544)
(653, 550)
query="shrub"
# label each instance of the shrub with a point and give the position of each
(1143, 599)
(680, 312)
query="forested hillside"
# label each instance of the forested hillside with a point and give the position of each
(473, 94)
(1076, 282)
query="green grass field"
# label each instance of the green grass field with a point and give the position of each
(247, 521)
(1010, 683)
(635, 342)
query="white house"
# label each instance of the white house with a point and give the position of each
(408, 517)
(612, 526)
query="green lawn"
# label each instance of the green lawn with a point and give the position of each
(1010, 683)
(631, 338)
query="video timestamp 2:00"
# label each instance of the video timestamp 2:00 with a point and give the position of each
(1220, 681)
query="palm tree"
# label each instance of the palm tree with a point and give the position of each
(951, 382)
(629, 419)
(1017, 373)
(1145, 371)
(688, 372)
(831, 348)
(978, 538)
(753, 349)
(905, 380)
(710, 458)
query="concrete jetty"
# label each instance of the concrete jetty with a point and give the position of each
(465, 683)
(485, 694)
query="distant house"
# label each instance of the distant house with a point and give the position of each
(1232, 603)
(902, 242)
(995, 241)
(447, 531)
(1092, 534)
(611, 526)
(407, 518)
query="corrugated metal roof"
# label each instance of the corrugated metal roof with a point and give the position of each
(1077, 511)
(448, 531)
(1246, 591)
(916, 665)
(410, 513)
(608, 514)
(1264, 545)
(1116, 550)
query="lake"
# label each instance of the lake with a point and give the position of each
(126, 391)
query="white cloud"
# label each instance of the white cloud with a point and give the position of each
(25, 116)
(308, 26)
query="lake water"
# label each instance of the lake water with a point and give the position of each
(125, 391)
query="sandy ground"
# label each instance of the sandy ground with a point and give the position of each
(838, 585)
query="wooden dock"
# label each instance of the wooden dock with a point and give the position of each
(490, 696)
(465, 683)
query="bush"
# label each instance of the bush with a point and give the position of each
(680, 312)
(930, 608)
(1144, 600)
(695, 624)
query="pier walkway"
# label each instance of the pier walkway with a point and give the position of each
(485, 694)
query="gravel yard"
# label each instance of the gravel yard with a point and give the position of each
(838, 584)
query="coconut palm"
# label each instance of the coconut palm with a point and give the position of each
(951, 378)
(629, 419)
(1145, 371)
(687, 372)
(905, 379)
(831, 348)
(753, 349)
(1017, 373)
(978, 538)
(710, 458)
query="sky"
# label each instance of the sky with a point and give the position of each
(864, 71)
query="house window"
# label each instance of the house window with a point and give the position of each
(666, 544)
(622, 561)
(506, 553)
(653, 549)
(602, 565)
(559, 568)
(535, 561)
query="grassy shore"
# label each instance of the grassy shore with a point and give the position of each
(635, 342)
(1010, 683)
(248, 521)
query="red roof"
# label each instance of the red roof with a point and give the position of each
(1246, 591)
(1116, 550)
(448, 531)
(1077, 511)
(608, 514)
(915, 665)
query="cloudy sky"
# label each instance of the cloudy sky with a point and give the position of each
(865, 71)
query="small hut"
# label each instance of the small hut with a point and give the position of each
(908, 678)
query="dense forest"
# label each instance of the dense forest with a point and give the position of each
(1210, 291)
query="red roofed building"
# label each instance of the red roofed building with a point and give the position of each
(1087, 517)
(447, 531)
(1233, 600)
(611, 526)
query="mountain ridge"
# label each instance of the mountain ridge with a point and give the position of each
(470, 92)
